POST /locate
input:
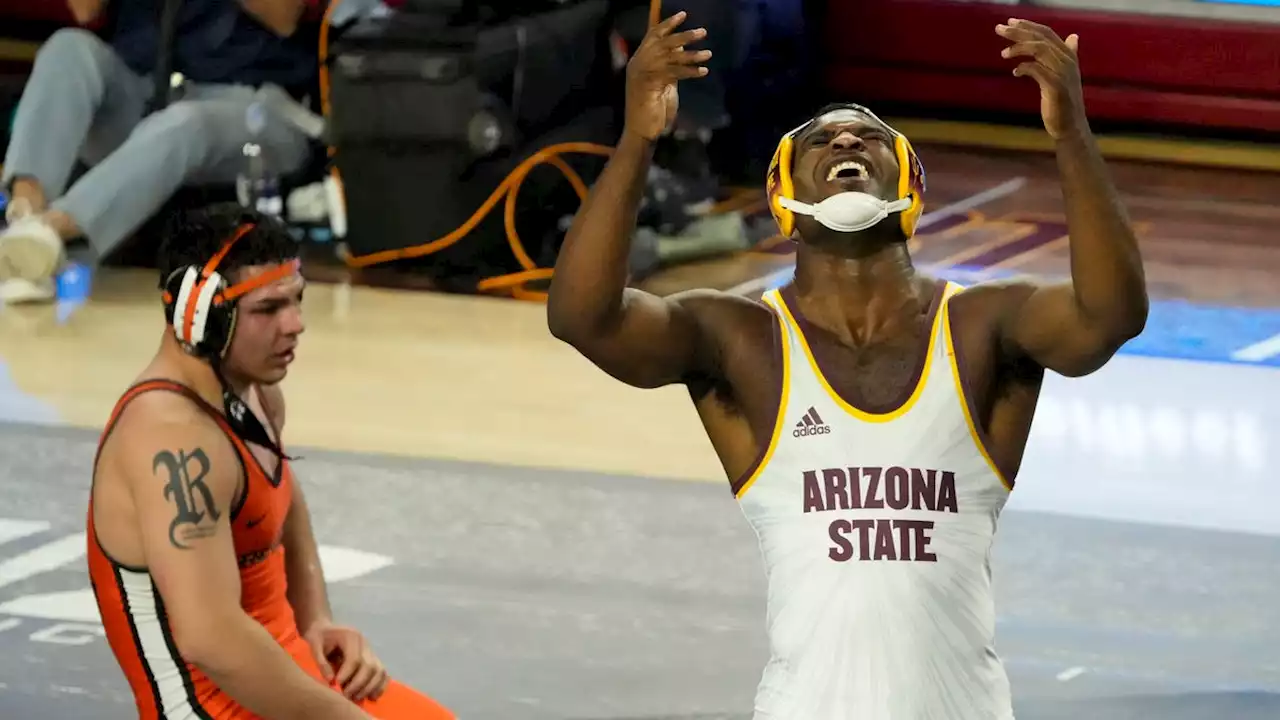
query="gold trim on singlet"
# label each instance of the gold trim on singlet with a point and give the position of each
(964, 400)
(784, 337)
(920, 384)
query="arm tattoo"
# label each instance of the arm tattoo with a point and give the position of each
(195, 513)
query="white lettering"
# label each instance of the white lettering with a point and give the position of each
(1211, 434)
(68, 634)
(11, 530)
(76, 606)
(1169, 432)
(43, 559)
(75, 612)
(1138, 435)
(1250, 445)
(341, 564)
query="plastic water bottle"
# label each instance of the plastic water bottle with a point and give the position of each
(258, 187)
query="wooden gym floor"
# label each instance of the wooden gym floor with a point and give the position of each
(430, 375)
(495, 574)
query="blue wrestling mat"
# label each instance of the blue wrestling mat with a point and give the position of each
(1176, 329)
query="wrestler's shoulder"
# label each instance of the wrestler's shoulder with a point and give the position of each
(158, 424)
(162, 407)
(986, 301)
(730, 321)
(163, 413)
(722, 309)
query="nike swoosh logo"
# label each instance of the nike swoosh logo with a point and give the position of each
(255, 522)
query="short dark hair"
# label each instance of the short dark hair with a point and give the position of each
(193, 237)
(830, 107)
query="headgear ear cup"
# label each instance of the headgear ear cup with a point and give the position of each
(779, 184)
(182, 302)
(911, 183)
(196, 306)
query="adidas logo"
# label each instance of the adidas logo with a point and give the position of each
(811, 424)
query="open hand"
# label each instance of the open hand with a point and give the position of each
(346, 660)
(652, 73)
(1054, 66)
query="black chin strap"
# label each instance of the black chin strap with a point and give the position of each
(243, 420)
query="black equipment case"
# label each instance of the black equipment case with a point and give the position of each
(432, 110)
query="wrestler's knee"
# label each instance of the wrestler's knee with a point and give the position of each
(401, 702)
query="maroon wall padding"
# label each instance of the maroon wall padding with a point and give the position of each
(1136, 68)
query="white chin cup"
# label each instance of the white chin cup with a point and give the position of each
(847, 211)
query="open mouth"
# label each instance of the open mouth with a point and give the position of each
(847, 170)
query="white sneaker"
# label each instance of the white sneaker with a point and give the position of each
(19, 291)
(29, 250)
(17, 209)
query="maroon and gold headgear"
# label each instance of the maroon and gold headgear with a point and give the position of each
(911, 180)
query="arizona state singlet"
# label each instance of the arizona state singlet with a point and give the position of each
(875, 531)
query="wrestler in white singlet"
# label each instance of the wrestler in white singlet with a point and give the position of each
(876, 532)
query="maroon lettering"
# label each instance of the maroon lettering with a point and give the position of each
(812, 493)
(861, 488)
(884, 541)
(947, 492)
(904, 538)
(924, 489)
(841, 548)
(896, 492)
(923, 535)
(837, 488)
(863, 527)
(872, 501)
(877, 540)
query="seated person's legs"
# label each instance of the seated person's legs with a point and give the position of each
(197, 140)
(81, 100)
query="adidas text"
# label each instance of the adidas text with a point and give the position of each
(811, 430)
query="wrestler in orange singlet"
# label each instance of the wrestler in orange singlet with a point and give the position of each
(200, 550)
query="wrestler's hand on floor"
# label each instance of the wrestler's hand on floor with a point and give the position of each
(346, 658)
(1054, 66)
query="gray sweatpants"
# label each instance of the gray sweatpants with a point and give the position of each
(83, 102)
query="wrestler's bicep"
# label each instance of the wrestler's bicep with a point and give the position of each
(653, 341)
(183, 480)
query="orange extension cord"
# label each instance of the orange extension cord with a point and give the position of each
(513, 283)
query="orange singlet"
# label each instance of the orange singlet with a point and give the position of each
(165, 687)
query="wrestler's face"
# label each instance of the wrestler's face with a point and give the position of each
(845, 150)
(268, 324)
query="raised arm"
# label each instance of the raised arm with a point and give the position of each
(638, 338)
(1075, 327)
(183, 475)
